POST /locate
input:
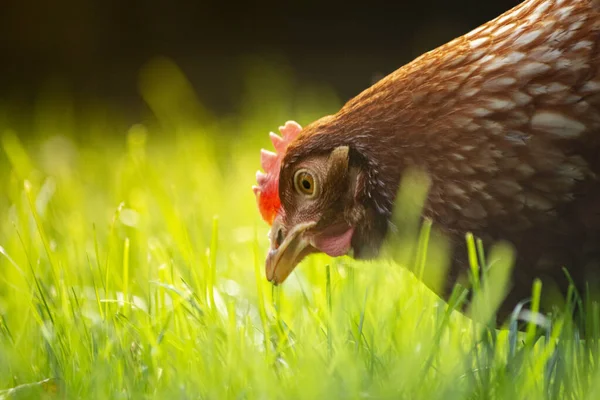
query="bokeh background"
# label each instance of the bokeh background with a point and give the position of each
(131, 250)
(94, 49)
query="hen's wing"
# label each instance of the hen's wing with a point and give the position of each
(507, 121)
(522, 160)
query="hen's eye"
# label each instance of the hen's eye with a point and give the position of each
(304, 183)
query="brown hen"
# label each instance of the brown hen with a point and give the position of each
(506, 122)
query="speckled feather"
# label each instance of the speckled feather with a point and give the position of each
(506, 120)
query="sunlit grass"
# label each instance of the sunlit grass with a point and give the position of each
(131, 266)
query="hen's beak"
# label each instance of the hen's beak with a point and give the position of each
(282, 260)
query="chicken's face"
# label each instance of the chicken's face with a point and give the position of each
(316, 205)
(314, 195)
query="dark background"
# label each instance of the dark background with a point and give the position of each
(95, 48)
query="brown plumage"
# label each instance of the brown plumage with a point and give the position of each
(506, 122)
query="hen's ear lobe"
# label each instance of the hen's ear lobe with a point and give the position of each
(337, 164)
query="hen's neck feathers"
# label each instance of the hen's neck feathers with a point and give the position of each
(506, 119)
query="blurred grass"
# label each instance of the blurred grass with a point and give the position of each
(132, 267)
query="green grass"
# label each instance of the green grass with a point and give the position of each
(131, 266)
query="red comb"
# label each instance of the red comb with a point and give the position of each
(267, 190)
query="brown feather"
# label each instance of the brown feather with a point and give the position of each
(506, 121)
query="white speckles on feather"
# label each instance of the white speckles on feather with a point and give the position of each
(478, 42)
(557, 124)
(488, 58)
(546, 54)
(461, 122)
(502, 19)
(475, 31)
(564, 12)
(537, 89)
(486, 196)
(527, 38)
(478, 186)
(496, 153)
(503, 29)
(577, 24)
(473, 127)
(570, 171)
(476, 55)
(556, 87)
(581, 107)
(454, 190)
(470, 92)
(488, 29)
(571, 99)
(573, 64)
(500, 104)
(481, 112)
(493, 127)
(539, 11)
(582, 45)
(521, 98)
(501, 62)
(524, 170)
(485, 164)
(517, 137)
(466, 169)
(532, 69)
(456, 60)
(499, 83)
(590, 87)
(561, 35)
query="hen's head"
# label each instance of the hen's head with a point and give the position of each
(313, 200)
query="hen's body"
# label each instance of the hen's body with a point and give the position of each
(506, 120)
